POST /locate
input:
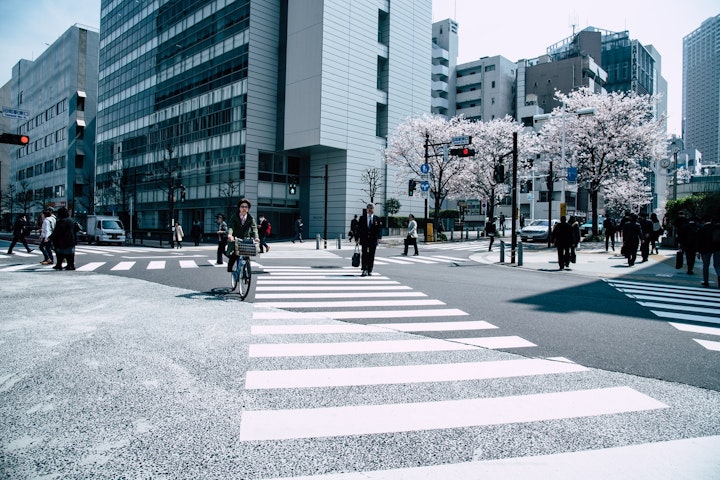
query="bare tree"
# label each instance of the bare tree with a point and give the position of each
(372, 179)
(228, 193)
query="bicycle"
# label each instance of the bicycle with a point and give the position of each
(242, 273)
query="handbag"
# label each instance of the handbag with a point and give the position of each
(573, 257)
(356, 257)
(679, 259)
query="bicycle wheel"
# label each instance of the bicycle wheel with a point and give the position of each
(245, 278)
(235, 275)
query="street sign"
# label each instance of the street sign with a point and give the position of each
(424, 168)
(462, 140)
(572, 174)
(15, 113)
(425, 186)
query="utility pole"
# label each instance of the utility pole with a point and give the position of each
(550, 183)
(513, 228)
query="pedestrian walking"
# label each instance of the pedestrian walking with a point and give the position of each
(657, 231)
(64, 239)
(263, 231)
(412, 236)
(196, 232)
(222, 237)
(48, 225)
(369, 234)
(353, 228)
(632, 236)
(21, 228)
(563, 238)
(298, 229)
(502, 223)
(573, 222)
(490, 231)
(178, 234)
(688, 241)
(646, 227)
(609, 232)
(709, 248)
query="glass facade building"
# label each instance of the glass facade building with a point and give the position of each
(204, 102)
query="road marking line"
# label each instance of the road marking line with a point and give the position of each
(358, 314)
(355, 287)
(188, 264)
(89, 267)
(685, 308)
(696, 328)
(156, 265)
(314, 329)
(354, 304)
(347, 281)
(709, 344)
(353, 348)
(123, 266)
(510, 341)
(448, 372)
(685, 316)
(359, 291)
(408, 417)
(438, 326)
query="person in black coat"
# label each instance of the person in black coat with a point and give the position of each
(563, 238)
(709, 248)
(64, 239)
(20, 230)
(632, 236)
(609, 229)
(369, 234)
(687, 242)
(646, 227)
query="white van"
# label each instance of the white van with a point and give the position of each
(105, 229)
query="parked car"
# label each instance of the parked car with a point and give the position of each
(537, 230)
(586, 228)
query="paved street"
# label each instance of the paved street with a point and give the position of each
(329, 375)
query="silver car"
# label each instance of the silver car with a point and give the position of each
(536, 231)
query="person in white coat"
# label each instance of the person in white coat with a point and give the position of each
(178, 235)
(412, 236)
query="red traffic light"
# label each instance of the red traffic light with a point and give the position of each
(13, 139)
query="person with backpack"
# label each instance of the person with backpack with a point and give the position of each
(264, 229)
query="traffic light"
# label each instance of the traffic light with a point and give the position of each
(411, 187)
(499, 174)
(462, 152)
(13, 139)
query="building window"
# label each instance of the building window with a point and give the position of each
(493, 84)
(79, 161)
(49, 166)
(59, 190)
(490, 68)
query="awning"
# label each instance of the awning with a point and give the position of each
(81, 94)
(81, 123)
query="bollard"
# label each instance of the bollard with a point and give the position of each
(502, 251)
(339, 242)
(519, 256)
(317, 242)
(452, 235)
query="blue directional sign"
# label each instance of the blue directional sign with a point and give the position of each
(425, 168)
(572, 174)
(425, 186)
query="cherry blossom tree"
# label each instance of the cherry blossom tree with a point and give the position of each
(608, 146)
(423, 139)
(493, 143)
(627, 194)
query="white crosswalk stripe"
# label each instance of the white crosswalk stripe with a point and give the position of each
(422, 259)
(678, 303)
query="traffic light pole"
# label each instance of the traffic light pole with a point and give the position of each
(513, 228)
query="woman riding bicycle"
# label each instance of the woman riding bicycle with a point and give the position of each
(242, 225)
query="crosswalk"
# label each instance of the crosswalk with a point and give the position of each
(681, 304)
(338, 356)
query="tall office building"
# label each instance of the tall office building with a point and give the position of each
(444, 61)
(701, 90)
(486, 88)
(215, 100)
(58, 90)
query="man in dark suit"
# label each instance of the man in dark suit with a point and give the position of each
(369, 233)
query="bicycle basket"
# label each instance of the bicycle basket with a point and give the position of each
(245, 247)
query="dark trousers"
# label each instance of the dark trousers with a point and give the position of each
(410, 241)
(563, 256)
(263, 243)
(15, 240)
(690, 258)
(609, 237)
(368, 257)
(222, 245)
(645, 249)
(46, 249)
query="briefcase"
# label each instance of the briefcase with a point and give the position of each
(356, 257)
(679, 259)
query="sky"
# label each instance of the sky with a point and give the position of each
(515, 30)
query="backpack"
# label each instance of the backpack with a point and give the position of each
(269, 228)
